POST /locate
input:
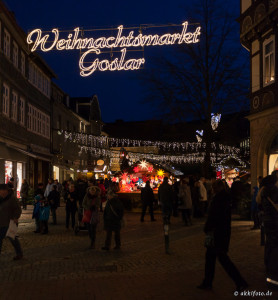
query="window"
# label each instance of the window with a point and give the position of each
(21, 111)
(39, 79)
(7, 42)
(269, 61)
(22, 66)
(14, 106)
(6, 100)
(15, 54)
(29, 124)
(38, 122)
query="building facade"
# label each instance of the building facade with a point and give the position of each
(258, 34)
(34, 112)
(25, 84)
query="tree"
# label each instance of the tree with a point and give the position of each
(200, 79)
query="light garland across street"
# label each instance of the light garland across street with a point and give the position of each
(108, 142)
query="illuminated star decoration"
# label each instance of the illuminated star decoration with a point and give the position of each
(115, 179)
(160, 173)
(143, 164)
(136, 169)
(124, 177)
(150, 169)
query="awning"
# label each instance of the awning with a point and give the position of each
(31, 154)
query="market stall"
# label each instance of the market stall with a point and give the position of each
(134, 178)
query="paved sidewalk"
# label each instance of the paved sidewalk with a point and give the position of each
(60, 266)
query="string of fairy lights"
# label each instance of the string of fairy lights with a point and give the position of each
(186, 152)
(103, 142)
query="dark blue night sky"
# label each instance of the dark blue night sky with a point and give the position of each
(120, 93)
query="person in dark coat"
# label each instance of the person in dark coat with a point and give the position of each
(165, 197)
(54, 199)
(269, 203)
(71, 206)
(218, 227)
(24, 193)
(91, 202)
(112, 216)
(39, 190)
(147, 198)
(9, 210)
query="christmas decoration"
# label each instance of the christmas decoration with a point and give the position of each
(143, 164)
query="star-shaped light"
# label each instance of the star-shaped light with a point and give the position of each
(124, 177)
(115, 179)
(143, 164)
(136, 169)
(150, 169)
(160, 172)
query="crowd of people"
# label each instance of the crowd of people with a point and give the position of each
(189, 198)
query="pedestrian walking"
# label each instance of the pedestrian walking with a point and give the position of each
(36, 212)
(71, 206)
(185, 201)
(24, 193)
(54, 199)
(147, 198)
(91, 204)
(218, 231)
(48, 188)
(112, 217)
(269, 202)
(44, 213)
(165, 197)
(9, 210)
(59, 189)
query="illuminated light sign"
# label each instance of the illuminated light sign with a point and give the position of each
(53, 41)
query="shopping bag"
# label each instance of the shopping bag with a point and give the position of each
(87, 216)
(12, 230)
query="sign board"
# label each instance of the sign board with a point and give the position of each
(96, 46)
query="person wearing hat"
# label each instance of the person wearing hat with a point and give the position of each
(91, 204)
(9, 210)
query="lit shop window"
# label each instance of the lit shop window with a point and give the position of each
(272, 163)
(8, 171)
(7, 43)
(6, 100)
(21, 111)
(15, 54)
(14, 106)
(269, 61)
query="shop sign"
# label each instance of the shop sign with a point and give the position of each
(93, 46)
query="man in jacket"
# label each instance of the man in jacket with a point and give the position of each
(218, 227)
(147, 198)
(53, 199)
(165, 197)
(9, 210)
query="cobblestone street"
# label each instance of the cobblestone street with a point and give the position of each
(60, 265)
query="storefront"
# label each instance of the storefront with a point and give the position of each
(13, 164)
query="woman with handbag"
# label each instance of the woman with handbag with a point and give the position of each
(218, 233)
(112, 216)
(91, 203)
